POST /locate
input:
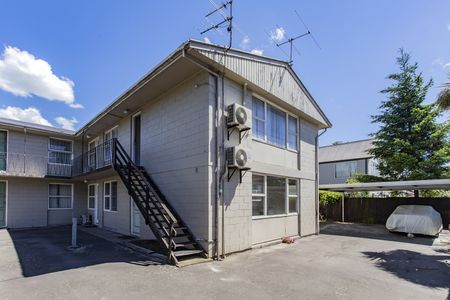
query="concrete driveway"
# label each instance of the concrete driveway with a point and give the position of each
(346, 261)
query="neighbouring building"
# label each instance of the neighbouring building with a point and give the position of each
(213, 149)
(341, 161)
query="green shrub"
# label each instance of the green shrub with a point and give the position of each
(327, 197)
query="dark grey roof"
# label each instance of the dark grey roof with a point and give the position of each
(34, 126)
(345, 151)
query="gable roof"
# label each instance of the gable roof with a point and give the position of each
(270, 77)
(345, 151)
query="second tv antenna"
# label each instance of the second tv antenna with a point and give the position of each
(291, 40)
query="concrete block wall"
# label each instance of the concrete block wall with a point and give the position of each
(27, 203)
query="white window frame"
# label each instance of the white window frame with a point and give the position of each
(109, 196)
(7, 150)
(285, 147)
(263, 195)
(297, 204)
(71, 196)
(287, 195)
(109, 131)
(95, 185)
(6, 203)
(108, 153)
(96, 142)
(59, 151)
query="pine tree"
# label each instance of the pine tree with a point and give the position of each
(410, 143)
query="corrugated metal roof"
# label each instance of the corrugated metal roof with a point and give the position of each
(430, 184)
(345, 151)
(37, 127)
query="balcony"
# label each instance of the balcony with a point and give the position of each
(30, 165)
(95, 159)
(57, 164)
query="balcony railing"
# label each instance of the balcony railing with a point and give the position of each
(94, 159)
(57, 164)
(22, 164)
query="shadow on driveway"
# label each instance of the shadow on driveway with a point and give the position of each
(428, 270)
(42, 251)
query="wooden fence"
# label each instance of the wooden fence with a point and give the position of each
(377, 210)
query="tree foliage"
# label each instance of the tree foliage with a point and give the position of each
(410, 143)
(327, 197)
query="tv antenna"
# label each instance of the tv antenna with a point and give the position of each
(226, 19)
(291, 40)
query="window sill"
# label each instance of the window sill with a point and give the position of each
(111, 211)
(273, 145)
(59, 208)
(274, 216)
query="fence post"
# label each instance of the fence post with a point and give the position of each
(343, 207)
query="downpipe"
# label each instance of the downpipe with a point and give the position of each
(317, 180)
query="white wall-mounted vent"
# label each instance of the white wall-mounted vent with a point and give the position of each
(239, 116)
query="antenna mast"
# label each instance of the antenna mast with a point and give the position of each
(290, 41)
(226, 19)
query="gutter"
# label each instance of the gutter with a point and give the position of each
(317, 180)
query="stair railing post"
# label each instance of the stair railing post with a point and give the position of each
(113, 148)
(171, 235)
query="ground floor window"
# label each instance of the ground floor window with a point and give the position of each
(272, 195)
(110, 189)
(60, 195)
(91, 196)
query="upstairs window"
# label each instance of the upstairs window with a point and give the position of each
(274, 126)
(259, 119)
(60, 152)
(345, 169)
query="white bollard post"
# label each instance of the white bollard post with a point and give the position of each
(74, 232)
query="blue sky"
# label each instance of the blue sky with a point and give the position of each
(97, 49)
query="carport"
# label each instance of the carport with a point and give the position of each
(385, 204)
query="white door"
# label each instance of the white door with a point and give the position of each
(135, 220)
(93, 201)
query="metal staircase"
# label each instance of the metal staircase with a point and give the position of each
(169, 229)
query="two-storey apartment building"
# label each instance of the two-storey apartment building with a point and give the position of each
(215, 146)
(342, 161)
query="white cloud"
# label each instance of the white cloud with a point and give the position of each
(278, 34)
(30, 114)
(448, 26)
(206, 40)
(245, 42)
(24, 75)
(66, 123)
(439, 62)
(257, 51)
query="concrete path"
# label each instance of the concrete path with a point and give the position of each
(344, 262)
